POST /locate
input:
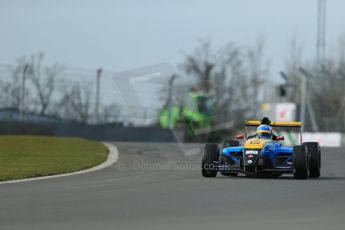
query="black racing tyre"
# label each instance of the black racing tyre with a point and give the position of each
(211, 154)
(314, 153)
(300, 159)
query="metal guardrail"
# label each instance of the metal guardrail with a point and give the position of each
(94, 132)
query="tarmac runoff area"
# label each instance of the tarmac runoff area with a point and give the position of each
(158, 186)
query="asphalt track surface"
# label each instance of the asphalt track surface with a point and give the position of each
(156, 186)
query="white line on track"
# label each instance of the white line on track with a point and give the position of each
(113, 156)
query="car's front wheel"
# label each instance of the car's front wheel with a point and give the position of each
(300, 159)
(211, 154)
(314, 154)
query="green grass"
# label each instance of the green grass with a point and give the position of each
(33, 156)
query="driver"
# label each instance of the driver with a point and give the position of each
(264, 130)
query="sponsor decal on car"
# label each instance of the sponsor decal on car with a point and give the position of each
(253, 152)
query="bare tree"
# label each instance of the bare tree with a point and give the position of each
(10, 90)
(109, 113)
(76, 103)
(233, 76)
(292, 65)
(257, 72)
(327, 90)
(200, 64)
(40, 84)
(227, 82)
(324, 86)
(43, 80)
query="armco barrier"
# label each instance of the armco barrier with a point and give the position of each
(116, 133)
(94, 132)
(325, 139)
(343, 139)
(148, 134)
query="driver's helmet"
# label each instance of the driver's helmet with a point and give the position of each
(264, 131)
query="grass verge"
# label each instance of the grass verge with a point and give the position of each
(33, 156)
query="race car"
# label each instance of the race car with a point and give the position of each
(263, 154)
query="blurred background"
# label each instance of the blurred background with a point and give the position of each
(67, 67)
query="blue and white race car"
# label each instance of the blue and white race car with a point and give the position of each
(263, 154)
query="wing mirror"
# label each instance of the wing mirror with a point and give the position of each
(280, 138)
(240, 136)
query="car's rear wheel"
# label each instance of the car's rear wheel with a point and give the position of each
(300, 159)
(314, 154)
(211, 154)
(226, 144)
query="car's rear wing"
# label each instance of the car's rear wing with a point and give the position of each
(292, 124)
(296, 124)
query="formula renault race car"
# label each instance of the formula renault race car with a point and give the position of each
(256, 156)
